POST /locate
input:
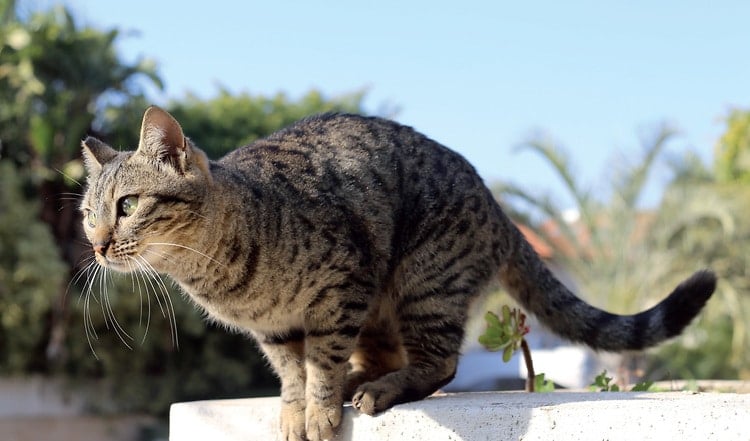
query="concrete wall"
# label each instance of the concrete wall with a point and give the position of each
(494, 416)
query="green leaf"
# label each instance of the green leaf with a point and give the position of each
(492, 319)
(643, 386)
(543, 385)
(506, 314)
(508, 353)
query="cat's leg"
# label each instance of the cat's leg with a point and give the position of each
(432, 349)
(331, 329)
(379, 351)
(286, 355)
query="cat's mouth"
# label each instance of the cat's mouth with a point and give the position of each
(114, 264)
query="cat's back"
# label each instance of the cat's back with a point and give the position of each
(399, 184)
(353, 153)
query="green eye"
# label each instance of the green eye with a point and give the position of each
(128, 205)
(91, 219)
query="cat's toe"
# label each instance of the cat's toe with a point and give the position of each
(322, 422)
(371, 398)
(293, 422)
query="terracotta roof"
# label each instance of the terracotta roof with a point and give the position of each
(539, 245)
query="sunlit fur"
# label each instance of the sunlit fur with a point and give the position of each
(349, 247)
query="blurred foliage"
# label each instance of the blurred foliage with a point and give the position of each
(732, 153)
(624, 258)
(31, 272)
(709, 227)
(54, 76)
(605, 241)
(59, 82)
(213, 124)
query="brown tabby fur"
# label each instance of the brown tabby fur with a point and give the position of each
(349, 247)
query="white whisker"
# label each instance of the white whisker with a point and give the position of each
(68, 177)
(168, 309)
(189, 249)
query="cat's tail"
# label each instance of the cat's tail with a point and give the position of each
(530, 282)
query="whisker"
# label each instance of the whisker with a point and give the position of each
(68, 177)
(168, 310)
(161, 255)
(189, 249)
(140, 275)
(94, 270)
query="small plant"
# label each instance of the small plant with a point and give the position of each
(643, 386)
(541, 384)
(506, 333)
(603, 383)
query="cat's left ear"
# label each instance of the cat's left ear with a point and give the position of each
(162, 139)
(96, 154)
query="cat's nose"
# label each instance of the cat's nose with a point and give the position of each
(101, 247)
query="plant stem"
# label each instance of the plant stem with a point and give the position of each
(529, 366)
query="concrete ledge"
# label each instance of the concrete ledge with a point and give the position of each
(493, 416)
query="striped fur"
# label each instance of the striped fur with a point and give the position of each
(349, 247)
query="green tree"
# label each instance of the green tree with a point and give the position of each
(625, 258)
(709, 208)
(732, 152)
(225, 122)
(54, 76)
(605, 240)
(31, 271)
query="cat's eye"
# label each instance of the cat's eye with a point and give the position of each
(91, 219)
(128, 205)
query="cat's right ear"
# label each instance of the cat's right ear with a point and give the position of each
(96, 154)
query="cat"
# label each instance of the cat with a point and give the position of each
(349, 247)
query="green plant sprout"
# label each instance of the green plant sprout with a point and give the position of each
(603, 383)
(506, 333)
(541, 384)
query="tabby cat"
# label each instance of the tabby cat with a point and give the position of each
(349, 247)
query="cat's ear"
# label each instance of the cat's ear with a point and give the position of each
(162, 139)
(96, 154)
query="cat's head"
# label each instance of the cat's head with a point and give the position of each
(141, 207)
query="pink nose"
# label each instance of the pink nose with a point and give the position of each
(101, 248)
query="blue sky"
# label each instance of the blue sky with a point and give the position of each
(480, 77)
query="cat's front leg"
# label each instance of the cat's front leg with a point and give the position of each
(286, 354)
(330, 338)
(324, 392)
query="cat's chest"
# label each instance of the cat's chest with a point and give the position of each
(259, 310)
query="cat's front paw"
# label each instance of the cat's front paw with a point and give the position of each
(292, 421)
(322, 421)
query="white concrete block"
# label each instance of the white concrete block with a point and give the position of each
(494, 416)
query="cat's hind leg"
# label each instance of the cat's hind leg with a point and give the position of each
(432, 364)
(430, 307)
(379, 351)
(432, 341)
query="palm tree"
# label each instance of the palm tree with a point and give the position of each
(708, 211)
(605, 243)
(623, 257)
